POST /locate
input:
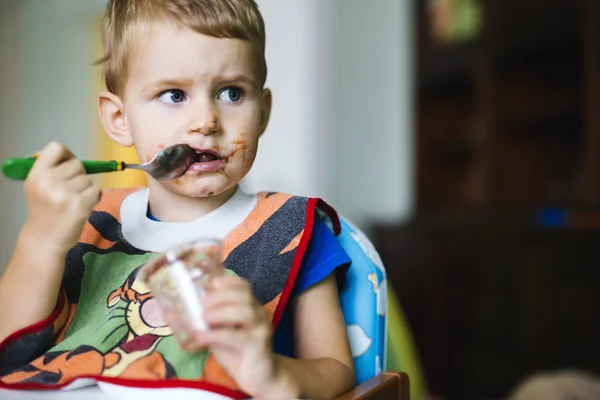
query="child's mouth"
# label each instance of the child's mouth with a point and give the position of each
(208, 161)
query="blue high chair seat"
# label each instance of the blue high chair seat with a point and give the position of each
(364, 301)
(372, 311)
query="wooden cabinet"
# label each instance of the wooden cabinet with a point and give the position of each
(507, 125)
(492, 298)
(510, 118)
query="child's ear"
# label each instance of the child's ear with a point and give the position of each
(267, 99)
(112, 116)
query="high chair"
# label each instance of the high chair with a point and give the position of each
(364, 301)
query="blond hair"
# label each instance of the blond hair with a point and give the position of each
(122, 22)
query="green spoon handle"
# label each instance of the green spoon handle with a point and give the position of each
(18, 168)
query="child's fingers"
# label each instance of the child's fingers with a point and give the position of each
(235, 315)
(51, 155)
(221, 282)
(79, 184)
(216, 298)
(225, 337)
(91, 196)
(70, 169)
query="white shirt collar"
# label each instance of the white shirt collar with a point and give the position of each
(148, 235)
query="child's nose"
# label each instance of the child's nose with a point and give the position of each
(204, 120)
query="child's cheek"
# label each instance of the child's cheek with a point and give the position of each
(242, 147)
(155, 148)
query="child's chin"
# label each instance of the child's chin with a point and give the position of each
(199, 188)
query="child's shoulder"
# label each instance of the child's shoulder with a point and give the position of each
(285, 196)
(289, 199)
(313, 208)
(277, 195)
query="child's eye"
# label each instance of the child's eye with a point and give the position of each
(172, 96)
(232, 95)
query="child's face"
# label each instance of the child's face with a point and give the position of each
(185, 87)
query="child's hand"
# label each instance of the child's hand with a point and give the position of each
(240, 333)
(60, 198)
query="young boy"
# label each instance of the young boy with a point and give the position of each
(178, 71)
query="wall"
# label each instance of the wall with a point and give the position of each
(372, 120)
(46, 90)
(341, 74)
(289, 147)
(10, 21)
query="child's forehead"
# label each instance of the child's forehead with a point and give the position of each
(169, 49)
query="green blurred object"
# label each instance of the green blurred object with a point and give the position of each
(402, 354)
(18, 168)
(455, 21)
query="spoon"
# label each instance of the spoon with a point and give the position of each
(169, 163)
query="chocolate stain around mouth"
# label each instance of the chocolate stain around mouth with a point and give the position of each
(241, 147)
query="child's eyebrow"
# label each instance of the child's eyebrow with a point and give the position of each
(183, 82)
(238, 78)
(167, 82)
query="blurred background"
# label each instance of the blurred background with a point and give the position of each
(462, 135)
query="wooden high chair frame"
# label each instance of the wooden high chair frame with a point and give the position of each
(385, 386)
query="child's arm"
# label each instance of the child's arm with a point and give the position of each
(60, 198)
(240, 340)
(324, 367)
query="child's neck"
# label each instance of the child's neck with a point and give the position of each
(167, 206)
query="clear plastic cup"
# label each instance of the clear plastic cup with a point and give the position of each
(178, 281)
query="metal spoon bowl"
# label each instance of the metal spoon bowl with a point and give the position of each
(170, 163)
